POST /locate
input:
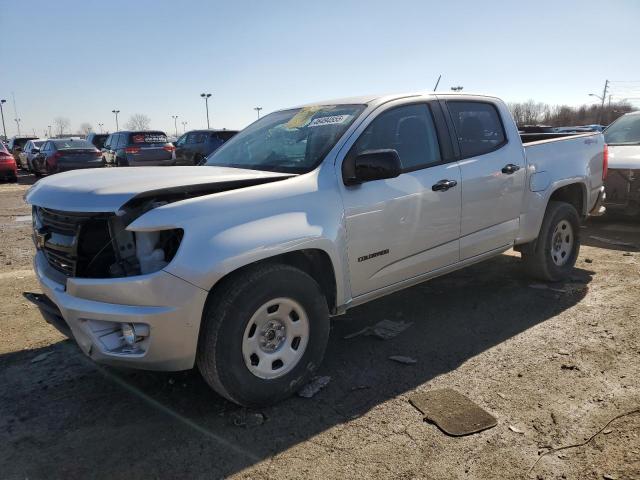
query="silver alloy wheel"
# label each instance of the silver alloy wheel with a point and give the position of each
(562, 243)
(275, 338)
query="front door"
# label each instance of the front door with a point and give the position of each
(402, 227)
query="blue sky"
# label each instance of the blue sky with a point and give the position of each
(82, 59)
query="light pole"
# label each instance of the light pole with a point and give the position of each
(116, 112)
(49, 128)
(206, 104)
(18, 120)
(101, 125)
(601, 98)
(257, 109)
(184, 127)
(2, 113)
(175, 123)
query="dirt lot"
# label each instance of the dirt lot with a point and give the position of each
(553, 365)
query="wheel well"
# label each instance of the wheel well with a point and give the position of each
(572, 194)
(315, 263)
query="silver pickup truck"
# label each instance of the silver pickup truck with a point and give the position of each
(237, 266)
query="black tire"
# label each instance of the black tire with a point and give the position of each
(226, 317)
(539, 259)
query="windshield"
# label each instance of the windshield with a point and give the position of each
(624, 131)
(291, 141)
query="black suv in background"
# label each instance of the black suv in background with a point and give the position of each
(97, 139)
(138, 148)
(194, 146)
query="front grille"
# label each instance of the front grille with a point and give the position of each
(62, 234)
(61, 262)
(619, 186)
(62, 222)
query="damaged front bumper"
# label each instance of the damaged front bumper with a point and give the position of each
(93, 310)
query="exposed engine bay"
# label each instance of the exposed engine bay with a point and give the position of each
(97, 245)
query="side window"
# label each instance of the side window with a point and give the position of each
(196, 137)
(215, 140)
(107, 142)
(181, 140)
(118, 140)
(478, 127)
(409, 130)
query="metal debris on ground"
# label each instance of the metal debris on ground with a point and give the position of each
(452, 412)
(41, 357)
(516, 430)
(542, 286)
(564, 366)
(385, 329)
(403, 359)
(314, 386)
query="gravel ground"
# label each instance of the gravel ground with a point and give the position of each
(554, 365)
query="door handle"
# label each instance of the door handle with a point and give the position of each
(444, 185)
(510, 168)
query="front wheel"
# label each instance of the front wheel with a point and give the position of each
(264, 334)
(557, 246)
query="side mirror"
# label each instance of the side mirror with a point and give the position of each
(371, 165)
(34, 150)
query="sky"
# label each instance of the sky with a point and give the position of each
(82, 59)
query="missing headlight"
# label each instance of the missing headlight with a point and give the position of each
(144, 252)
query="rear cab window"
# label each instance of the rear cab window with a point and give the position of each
(478, 127)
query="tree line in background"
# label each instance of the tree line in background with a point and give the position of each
(538, 113)
(60, 126)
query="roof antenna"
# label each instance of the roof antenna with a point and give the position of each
(437, 83)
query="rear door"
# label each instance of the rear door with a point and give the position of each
(493, 174)
(401, 228)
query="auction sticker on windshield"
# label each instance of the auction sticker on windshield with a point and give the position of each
(332, 120)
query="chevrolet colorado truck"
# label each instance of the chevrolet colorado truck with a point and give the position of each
(236, 266)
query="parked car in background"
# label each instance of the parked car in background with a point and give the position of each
(16, 144)
(137, 149)
(623, 179)
(236, 266)
(8, 168)
(30, 150)
(59, 155)
(194, 146)
(97, 139)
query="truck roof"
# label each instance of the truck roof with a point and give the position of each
(383, 98)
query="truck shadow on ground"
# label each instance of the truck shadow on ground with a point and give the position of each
(121, 423)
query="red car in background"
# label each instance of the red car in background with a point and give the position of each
(8, 167)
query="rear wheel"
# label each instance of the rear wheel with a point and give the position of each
(557, 246)
(264, 334)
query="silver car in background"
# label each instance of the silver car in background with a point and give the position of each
(623, 178)
(30, 150)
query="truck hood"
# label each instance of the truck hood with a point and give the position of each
(108, 189)
(624, 156)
